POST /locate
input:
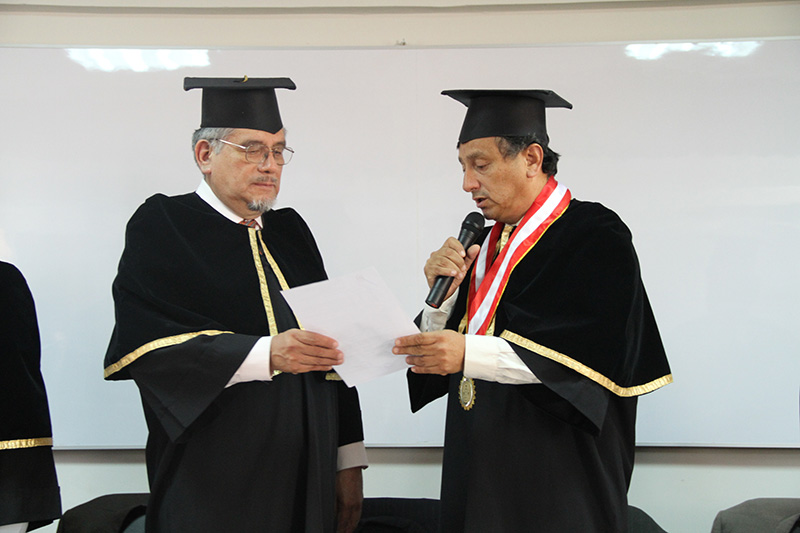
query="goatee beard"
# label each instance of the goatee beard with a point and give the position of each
(261, 206)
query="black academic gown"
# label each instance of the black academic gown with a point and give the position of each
(28, 485)
(190, 299)
(556, 456)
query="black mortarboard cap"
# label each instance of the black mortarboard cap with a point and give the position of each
(505, 112)
(240, 102)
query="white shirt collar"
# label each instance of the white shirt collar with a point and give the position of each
(205, 192)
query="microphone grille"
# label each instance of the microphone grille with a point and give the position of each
(474, 221)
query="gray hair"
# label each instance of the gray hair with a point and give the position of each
(212, 135)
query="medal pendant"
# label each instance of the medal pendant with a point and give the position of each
(466, 393)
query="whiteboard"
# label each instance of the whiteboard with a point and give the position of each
(697, 149)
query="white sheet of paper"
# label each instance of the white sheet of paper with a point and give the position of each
(362, 314)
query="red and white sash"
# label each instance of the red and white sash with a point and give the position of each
(489, 278)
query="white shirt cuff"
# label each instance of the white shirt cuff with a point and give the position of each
(435, 319)
(255, 366)
(493, 359)
(353, 455)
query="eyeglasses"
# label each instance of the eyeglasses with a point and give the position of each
(258, 153)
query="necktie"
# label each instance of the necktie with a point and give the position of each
(505, 235)
(250, 223)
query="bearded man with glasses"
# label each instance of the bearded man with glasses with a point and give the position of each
(250, 428)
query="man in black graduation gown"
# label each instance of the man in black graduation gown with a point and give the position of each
(248, 424)
(29, 493)
(543, 344)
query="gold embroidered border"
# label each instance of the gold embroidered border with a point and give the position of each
(490, 329)
(262, 280)
(274, 265)
(585, 370)
(154, 345)
(278, 274)
(25, 443)
(462, 326)
(333, 376)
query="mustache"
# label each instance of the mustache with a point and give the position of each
(266, 179)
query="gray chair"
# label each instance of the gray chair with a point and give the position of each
(760, 515)
(112, 513)
(641, 522)
(137, 526)
(399, 515)
(420, 515)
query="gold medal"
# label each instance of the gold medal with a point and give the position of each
(466, 393)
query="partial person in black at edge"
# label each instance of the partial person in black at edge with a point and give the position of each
(29, 493)
(248, 424)
(544, 343)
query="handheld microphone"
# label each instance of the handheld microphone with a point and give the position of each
(470, 229)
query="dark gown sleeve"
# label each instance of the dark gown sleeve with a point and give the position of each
(179, 383)
(581, 314)
(29, 489)
(167, 336)
(425, 388)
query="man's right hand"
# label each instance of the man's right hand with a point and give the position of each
(450, 260)
(297, 351)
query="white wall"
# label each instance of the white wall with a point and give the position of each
(682, 488)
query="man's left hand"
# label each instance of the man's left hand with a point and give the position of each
(349, 498)
(433, 352)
